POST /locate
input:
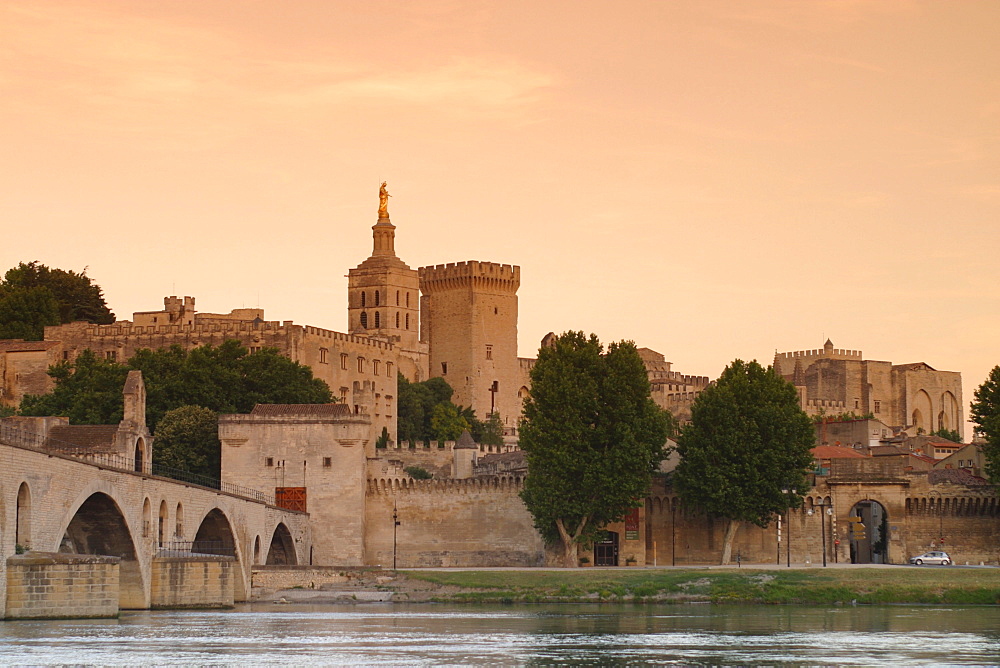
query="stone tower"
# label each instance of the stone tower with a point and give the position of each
(383, 299)
(469, 319)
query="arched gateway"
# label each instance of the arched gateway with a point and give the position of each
(869, 533)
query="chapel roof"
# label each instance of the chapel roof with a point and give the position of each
(82, 438)
(309, 410)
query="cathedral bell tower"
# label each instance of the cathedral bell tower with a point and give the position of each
(383, 293)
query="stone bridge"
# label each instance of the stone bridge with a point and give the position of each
(163, 543)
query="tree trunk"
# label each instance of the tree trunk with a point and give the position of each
(569, 543)
(727, 542)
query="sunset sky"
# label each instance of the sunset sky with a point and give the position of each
(712, 180)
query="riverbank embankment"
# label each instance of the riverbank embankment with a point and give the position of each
(818, 586)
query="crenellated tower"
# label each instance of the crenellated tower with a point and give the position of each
(469, 319)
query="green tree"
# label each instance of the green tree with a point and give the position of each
(748, 440)
(447, 424)
(986, 415)
(33, 295)
(87, 391)
(489, 431)
(948, 434)
(187, 439)
(415, 409)
(592, 437)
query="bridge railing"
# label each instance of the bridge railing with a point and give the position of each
(186, 548)
(27, 439)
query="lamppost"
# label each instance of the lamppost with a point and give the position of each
(395, 523)
(825, 509)
(788, 528)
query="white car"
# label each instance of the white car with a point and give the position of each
(931, 558)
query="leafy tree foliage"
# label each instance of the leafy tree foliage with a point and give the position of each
(488, 431)
(187, 439)
(425, 412)
(747, 441)
(418, 473)
(33, 295)
(948, 434)
(224, 379)
(986, 415)
(592, 437)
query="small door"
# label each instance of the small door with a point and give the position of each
(606, 550)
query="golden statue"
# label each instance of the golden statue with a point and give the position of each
(383, 201)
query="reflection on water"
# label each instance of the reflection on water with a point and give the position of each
(519, 635)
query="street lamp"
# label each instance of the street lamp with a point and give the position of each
(788, 527)
(395, 523)
(825, 509)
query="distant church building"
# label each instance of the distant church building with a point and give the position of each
(915, 398)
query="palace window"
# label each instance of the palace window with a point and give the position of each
(388, 369)
(343, 360)
(375, 365)
(489, 352)
(327, 462)
(364, 299)
(343, 395)
(378, 300)
(111, 355)
(323, 353)
(878, 406)
(364, 320)
(397, 319)
(444, 368)
(254, 349)
(397, 297)
(378, 319)
(407, 300)
(361, 365)
(269, 461)
(407, 320)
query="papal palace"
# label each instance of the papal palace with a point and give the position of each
(306, 484)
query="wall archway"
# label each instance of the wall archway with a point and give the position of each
(922, 413)
(282, 549)
(140, 456)
(948, 417)
(869, 543)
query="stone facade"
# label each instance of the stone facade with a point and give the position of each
(47, 585)
(191, 582)
(912, 397)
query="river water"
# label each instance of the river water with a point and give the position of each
(595, 634)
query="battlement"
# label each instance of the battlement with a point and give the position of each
(833, 353)
(824, 404)
(486, 275)
(125, 328)
(392, 486)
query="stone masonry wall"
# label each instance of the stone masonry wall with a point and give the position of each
(450, 523)
(191, 582)
(50, 585)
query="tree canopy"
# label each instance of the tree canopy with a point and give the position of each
(748, 440)
(224, 379)
(592, 436)
(33, 295)
(187, 438)
(425, 412)
(986, 414)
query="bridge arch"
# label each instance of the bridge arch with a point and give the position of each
(98, 526)
(22, 520)
(282, 549)
(215, 536)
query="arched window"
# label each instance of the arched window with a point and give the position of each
(378, 319)
(397, 319)
(179, 522)
(364, 320)
(364, 299)
(397, 297)
(407, 320)
(138, 455)
(161, 524)
(407, 300)
(256, 550)
(147, 518)
(378, 301)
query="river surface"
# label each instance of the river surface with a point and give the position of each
(438, 634)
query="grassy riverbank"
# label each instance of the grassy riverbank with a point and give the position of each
(746, 585)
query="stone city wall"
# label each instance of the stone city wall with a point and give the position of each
(450, 523)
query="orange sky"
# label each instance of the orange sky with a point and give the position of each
(711, 179)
